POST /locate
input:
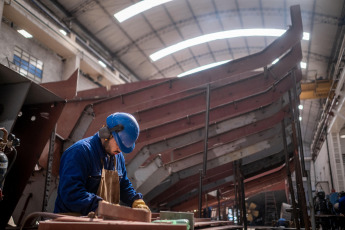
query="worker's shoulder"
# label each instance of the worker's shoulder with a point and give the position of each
(79, 147)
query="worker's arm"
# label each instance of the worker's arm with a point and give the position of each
(74, 180)
(127, 193)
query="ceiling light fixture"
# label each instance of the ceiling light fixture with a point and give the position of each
(137, 8)
(303, 65)
(24, 33)
(215, 36)
(342, 136)
(306, 36)
(300, 118)
(63, 32)
(102, 64)
(275, 61)
(201, 68)
(300, 107)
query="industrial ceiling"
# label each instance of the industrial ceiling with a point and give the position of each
(251, 100)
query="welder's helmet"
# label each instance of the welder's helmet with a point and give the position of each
(125, 129)
(321, 194)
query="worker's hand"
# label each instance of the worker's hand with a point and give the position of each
(140, 204)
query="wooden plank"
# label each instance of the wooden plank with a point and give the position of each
(116, 212)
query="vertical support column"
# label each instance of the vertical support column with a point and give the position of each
(49, 170)
(207, 112)
(329, 158)
(298, 171)
(311, 203)
(200, 192)
(288, 174)
(218, 198)
(70, 65)
(296, 115)
(243, 196)
(300, 142)
(235, 190)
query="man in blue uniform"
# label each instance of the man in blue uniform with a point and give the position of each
(93, 169)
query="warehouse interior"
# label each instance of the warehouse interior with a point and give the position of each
(240, 105)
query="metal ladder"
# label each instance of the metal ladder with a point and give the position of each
(270, 208)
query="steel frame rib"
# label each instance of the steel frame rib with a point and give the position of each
(254, 186)
(245, 114)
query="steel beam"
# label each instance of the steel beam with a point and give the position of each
(261, 182)
(139, 177)
(206, 188)
(193, 136)
(224, 138)
(174, 178)
(229, 152)
(189, 183)
(252, 169)
(164, 131)
(188, 109)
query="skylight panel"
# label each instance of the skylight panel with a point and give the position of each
(137, 8)
(216, 36)
(24, 33)
(201, 68)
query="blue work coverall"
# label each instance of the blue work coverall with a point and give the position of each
(80, 175)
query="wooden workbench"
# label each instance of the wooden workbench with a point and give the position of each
(77, 223)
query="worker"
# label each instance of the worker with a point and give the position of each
(340, 205)
(93, 169)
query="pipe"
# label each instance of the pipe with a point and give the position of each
(206, 128)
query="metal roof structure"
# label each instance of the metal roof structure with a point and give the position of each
(250, 103)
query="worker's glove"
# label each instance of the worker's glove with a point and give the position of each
(140, 204)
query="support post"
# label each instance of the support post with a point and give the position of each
(311, 203)
(329, 158)
(298, 171)
(207, 113)
(288, 174)
(218, 198)
(49, 170)
(235, 189)
(296, 115)
(243, 197)
(200, 192)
